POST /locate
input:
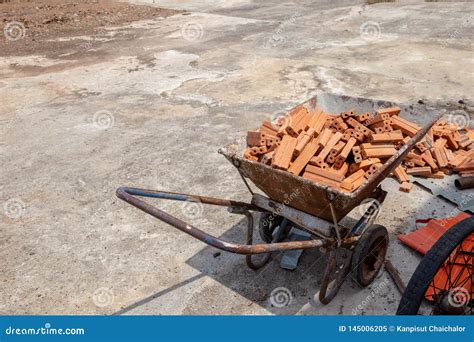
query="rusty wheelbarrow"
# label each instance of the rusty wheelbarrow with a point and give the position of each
(295, 201)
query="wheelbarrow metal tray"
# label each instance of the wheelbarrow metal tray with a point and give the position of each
(310, 197)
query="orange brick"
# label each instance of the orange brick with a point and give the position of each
(342, 170)
(354, 176)
(358, 183)
(390, 111)
(352, 182)
(284, 153)
(451, 141)
(324, 137)
(333, 140)
(439, 156)
(441, 142)
(387, 137)
(363, 117)
(345, 152)
(297, 122)
(255, 138)
(437, 175)
(407, 127)
(420, 171)
(268, 128)
(406, 187)
(321, 180)
(308, 152)
(347, 134)
(326, 173)
(428, 158)
(401, 175)
(317, 120)
(303, 140)
(377, 150)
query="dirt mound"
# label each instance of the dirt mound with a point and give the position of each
(34, 27)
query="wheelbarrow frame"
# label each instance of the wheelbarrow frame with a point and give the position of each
(324, 225)
(343, 237)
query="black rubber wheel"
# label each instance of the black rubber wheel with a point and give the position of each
(369, 254)
(267, 224)
(430, 264)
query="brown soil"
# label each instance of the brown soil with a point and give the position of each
(45, 20)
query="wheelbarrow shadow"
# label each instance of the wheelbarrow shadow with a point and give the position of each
(277, 290)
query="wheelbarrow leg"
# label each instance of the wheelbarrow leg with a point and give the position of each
(326, 296)
(254, 265)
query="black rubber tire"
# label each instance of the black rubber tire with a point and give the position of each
(374, 236)
(430, 264)
(267, 225)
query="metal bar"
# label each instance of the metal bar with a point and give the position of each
(329, 286)
(395, 275)
(464, 183)
(312, 224)
(127, 194)
(175, 196)
(254, 265)
(371, 213)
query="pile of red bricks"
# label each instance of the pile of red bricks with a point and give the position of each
(343, 151)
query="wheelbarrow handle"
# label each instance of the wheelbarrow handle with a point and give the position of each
(128, 195)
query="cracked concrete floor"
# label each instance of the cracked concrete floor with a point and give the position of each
(148, 105)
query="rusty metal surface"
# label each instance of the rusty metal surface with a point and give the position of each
(307, 196)
(333, 277)
(464, 183)
(395, 275)
(128, 195)
(310, 223)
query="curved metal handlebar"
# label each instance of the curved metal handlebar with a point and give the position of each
(128, 195)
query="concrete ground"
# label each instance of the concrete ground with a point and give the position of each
(148, 105)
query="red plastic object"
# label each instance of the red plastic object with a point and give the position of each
(421, 240)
